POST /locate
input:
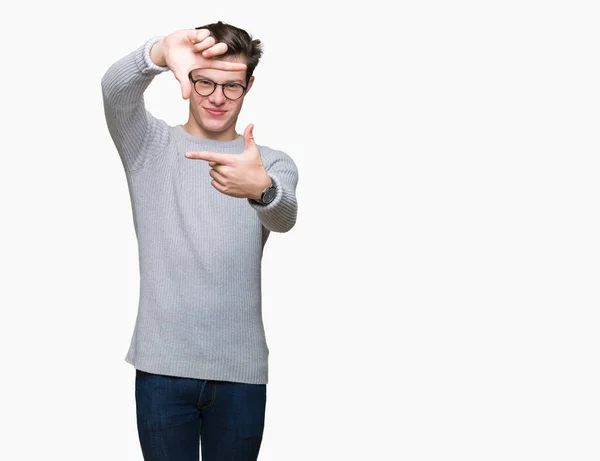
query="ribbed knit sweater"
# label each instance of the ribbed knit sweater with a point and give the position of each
(200, 251)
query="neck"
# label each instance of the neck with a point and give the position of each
(194, 129)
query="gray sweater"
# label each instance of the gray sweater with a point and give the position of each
(200, 251)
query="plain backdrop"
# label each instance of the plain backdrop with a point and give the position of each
(438, 298)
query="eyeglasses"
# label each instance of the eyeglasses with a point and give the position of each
(205, 87)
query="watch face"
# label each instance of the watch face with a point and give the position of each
(269, 195)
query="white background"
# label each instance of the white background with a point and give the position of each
(438, 298)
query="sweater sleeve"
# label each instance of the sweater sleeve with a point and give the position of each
(136, 133)
(280, 214)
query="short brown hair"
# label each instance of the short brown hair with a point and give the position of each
(239, 43)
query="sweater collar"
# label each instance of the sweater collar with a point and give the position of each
(211, 144)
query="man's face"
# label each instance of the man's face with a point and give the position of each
(216, 113)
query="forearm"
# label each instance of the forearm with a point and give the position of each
(124, 83)
(137, 135)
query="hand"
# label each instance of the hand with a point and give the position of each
(241, 176)
(185, 50)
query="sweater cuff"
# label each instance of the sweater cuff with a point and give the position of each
(143, 61)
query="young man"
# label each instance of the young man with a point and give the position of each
(204, 200)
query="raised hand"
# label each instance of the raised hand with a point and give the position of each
(185, 50)
(241, 176)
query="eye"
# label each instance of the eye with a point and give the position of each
(206, 83)
(233, 86)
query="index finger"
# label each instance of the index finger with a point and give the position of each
(209, 156)
(220, 64)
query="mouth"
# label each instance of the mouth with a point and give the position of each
(215, 112)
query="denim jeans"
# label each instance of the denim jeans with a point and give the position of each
(176, 417)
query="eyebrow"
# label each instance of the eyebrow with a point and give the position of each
(198, 77)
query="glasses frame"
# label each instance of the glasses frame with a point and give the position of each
(215, 84)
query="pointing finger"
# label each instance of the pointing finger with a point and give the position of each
(226, 65)
(222, 159)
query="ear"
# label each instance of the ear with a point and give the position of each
(250, 82)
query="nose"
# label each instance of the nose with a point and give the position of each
(218, 97)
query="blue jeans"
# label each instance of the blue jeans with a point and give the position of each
(178, 416)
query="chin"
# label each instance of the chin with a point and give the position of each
(216, 125)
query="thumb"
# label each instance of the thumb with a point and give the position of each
(186, 87)
(249, 137)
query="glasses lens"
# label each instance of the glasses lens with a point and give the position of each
(204, 87)
(233, 90)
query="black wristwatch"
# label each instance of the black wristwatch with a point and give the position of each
(268, 194)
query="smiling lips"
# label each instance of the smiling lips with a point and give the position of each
(215, 113)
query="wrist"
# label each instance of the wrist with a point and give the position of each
(157, 54)
(261, 188)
